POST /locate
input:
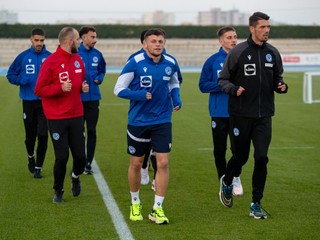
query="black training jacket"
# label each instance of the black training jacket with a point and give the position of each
(258, 69)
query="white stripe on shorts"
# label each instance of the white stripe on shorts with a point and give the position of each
(138, 139)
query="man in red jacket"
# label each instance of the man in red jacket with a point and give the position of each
(60, 83)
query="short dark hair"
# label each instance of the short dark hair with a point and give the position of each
(85, 29)
(155, 31)
(253, 20)
(37, 31)
(142, 35)
(223, 30)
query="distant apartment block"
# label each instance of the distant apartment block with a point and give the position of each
(8, 17)
(216, 16)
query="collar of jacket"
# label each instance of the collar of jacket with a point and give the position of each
(253, 44)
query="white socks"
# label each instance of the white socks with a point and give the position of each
(135, 197)
(158, 200)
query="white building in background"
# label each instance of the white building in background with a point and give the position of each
(8, 17)
(218, 17)
(158, 18)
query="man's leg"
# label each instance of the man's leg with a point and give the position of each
(134, 178)
(220, 130)
(30, 126)
(42, 130)
(261, 139)
(91, 116)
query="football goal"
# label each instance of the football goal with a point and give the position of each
(311, 87)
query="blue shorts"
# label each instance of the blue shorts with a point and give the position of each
(140, 137)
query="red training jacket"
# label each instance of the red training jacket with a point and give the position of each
(56, 69)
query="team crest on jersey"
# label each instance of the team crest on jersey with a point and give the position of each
(146, 81)
(56, 136)
(30, 69)
(168, 70)
(145, 69)
(250, 69)
(269, 57)
(77, 64)
(42, 60)
(95, 59)
(213, 124)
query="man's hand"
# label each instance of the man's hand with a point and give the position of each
(148, 96)
(240, 91)
(85, 87)
(176, 108)
(282, 87)
(66, 86)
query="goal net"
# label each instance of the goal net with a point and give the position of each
(311, 87)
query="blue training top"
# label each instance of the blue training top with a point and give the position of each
(208, 83)
(24, 71)
(95, 70)
(141, 75)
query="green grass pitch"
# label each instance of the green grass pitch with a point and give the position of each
(192, 204)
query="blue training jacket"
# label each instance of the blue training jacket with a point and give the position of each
(218, 100)
(24, 71)
(95, 70)
(141, 75)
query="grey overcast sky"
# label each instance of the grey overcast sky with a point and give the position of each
(300, 12)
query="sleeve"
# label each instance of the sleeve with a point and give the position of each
(45, 88)
(122, 89)
(179, 73)
(224, 81)
(101, 69)
(14, 74)
(208, 81)
(278, 71)
(174, 88)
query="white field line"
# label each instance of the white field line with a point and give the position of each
(113, 209)
(275, 148)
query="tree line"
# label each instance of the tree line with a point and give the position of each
(133, 31)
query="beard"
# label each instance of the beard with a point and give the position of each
(74, 48)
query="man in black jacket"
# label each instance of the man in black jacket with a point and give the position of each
(251, 74)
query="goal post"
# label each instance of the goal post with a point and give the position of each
(311, 87)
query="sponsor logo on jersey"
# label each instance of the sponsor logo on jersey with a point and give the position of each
(250, 69)
(146, 81)
(268, 65)
(63, 77)
(30, 69)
